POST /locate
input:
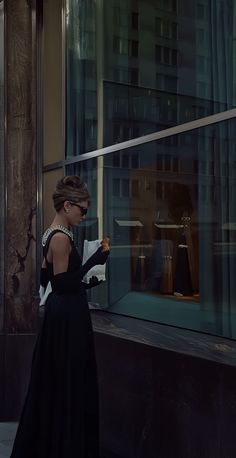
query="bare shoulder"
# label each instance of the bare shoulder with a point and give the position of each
(60, 242)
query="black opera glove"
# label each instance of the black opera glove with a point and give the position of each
(93, 281)
(67, 282)
(99, 257)
(71, 282)
(44, 277)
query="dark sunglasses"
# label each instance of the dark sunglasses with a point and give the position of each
(83, 210)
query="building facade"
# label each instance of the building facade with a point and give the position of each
(138, 97)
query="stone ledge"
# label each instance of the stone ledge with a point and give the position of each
(191, 343)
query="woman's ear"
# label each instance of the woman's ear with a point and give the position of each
(67, 206)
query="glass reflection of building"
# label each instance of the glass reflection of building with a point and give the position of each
(157, 66)
(135, 69)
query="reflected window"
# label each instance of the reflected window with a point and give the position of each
(125, 160)
(116, 160)
(125, 188)
(167, 5)
(166, 28)
(201, 11)
(201, 37)
(116, 187)
(134, 161)
(133, 49)
(135, 21)
(166, 56)
(135, 189)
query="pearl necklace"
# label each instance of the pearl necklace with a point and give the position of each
(57, 227)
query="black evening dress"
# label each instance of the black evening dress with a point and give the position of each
(60, 414)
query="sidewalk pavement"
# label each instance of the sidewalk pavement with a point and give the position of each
(7, 434)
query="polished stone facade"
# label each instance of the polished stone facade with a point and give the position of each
(160, 402)
(18, 305)
(20, 167)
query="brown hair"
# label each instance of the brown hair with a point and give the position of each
(70, 188)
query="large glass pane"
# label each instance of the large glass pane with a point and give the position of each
(1, 156)
(138, 67)
(169, 207)
(81, 121)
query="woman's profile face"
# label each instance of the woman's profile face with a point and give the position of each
(76, 212)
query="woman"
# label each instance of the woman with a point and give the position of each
(60, 415)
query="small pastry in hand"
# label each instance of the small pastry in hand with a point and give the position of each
(105, 243)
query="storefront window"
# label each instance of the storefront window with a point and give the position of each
(137, 68)
(1, 154)
(169, 207)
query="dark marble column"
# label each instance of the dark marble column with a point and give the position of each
(20, 167)
(20, 308)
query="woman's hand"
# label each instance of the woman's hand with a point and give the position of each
(93, 281)
(105, 243)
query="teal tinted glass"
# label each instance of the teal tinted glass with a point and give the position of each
(169, 208)
(138, 67)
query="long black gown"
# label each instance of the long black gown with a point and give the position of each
(60, 414)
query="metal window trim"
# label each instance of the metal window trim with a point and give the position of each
(63, 95)
(165, 133)
(39, 31)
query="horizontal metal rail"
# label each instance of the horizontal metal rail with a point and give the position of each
(181, 128)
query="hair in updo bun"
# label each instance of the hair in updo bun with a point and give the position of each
(70, 188)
